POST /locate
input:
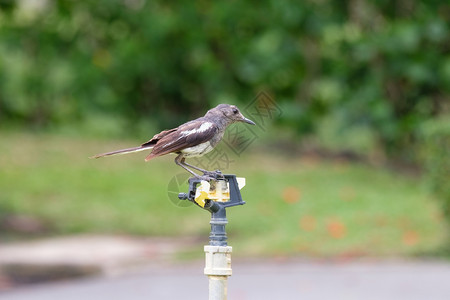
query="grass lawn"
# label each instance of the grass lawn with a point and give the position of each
(295, 206)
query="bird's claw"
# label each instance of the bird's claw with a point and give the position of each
(217, 175)
(206, 178)
(212, 175)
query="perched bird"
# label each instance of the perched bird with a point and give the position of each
(194, 138)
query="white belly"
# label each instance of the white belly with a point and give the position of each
(198, 150)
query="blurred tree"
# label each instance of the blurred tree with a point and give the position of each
(359, 74)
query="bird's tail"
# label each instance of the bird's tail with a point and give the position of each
(123, 151)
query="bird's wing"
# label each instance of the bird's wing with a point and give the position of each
(187, 135)
(158, 136)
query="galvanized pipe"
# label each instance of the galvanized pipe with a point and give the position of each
(218, 268)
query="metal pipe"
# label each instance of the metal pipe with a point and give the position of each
(218, 287)
(218, 268)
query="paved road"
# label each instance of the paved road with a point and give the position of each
(287, 280)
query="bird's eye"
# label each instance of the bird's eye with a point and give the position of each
(235, 110)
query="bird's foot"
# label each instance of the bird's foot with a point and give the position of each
(206, 178)
(217, 174)
(212, 175)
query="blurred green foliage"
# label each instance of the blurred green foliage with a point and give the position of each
(437, 155)
(356, 74)
(359, 75)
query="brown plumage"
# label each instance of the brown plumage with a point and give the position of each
(194, 138)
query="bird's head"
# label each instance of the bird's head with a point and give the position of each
(231, 112)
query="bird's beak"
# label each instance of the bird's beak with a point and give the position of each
(245, 120)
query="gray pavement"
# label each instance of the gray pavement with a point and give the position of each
(306, 280)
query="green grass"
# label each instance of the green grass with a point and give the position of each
(295, 206)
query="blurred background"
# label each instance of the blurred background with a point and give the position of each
(351, 158)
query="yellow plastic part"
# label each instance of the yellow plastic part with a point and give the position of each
(216, 191)
(219, 191)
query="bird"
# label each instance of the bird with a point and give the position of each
(192, 139)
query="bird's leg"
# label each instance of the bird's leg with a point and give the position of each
(194, 167)
(213, 174)
(179, 160)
